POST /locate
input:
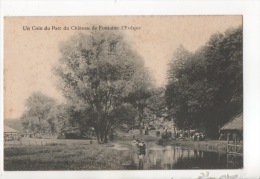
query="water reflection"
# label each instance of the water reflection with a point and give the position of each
(171, 157)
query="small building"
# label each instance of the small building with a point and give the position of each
(234, 127)
(11, 134)
(235, 124)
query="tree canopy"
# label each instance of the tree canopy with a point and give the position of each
(39, 116)
(96, 73)
(140, 91)
(107, 86)
(205, 88)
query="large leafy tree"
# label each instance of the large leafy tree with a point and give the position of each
(39, 115)
(67, 117)
(156, 106)
(125, 117)
(95, 73)
(140, 92)
(205, 88)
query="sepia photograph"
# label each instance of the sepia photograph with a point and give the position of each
(123, 93)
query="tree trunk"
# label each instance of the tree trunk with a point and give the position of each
(101, 136)
(141, 127)
(100, 131)
(141, 120)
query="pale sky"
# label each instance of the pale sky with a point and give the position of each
(30, 54)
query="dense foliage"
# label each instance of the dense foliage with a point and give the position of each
(39, 116)
(141, 91)
(205, 88)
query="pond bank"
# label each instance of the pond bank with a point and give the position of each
(209, 145)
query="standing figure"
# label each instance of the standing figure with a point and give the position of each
(141, 153)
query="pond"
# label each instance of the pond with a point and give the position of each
(174, 157)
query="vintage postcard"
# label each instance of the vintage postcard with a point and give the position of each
(123, 93)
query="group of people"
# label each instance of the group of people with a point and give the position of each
(140, 147)
(140, 152)
(198, 137)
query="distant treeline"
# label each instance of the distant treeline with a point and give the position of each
(14, 123)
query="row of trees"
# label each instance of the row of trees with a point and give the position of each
(205, 88)
(106, 86)
(44, 115)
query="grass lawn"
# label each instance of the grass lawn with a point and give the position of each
(63, 157)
